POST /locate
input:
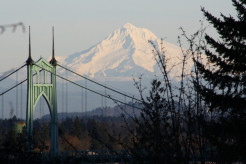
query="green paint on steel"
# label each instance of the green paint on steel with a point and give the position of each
(38, 88)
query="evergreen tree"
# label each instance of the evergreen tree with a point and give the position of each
(226, 92)
(76, 127)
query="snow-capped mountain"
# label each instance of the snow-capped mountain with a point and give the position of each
(123, 54)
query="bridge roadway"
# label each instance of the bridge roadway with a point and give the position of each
(102, 156)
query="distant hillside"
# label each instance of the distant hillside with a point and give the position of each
(105, 112)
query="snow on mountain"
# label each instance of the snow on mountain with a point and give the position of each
(123, 54)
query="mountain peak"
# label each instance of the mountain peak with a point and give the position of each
(129, 26)
(131, 32)
(124, 54)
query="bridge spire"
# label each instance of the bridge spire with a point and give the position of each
(53, 60)
(29, 61)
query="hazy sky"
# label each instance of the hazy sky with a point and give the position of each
(80, 24)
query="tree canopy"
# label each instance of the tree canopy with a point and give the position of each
(225, 91)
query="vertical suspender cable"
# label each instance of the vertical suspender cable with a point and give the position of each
(105, 100)
(125, 101)
(40, 99)
(66, 95)
(16, 95)
(2, 106)
(21, 102)
(102, 107)
(133, 105)
(85, 96)
(62, 97)
(82, 102)
(43, 102)
(40, 107)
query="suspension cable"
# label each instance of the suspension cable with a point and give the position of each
(12, 72)
(12, 87)
(15, 86)
(99, 83)
(79, 85)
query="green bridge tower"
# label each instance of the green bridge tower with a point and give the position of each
(45, 87)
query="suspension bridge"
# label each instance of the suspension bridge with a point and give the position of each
(41, 82)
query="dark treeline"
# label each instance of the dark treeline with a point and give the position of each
(201, 119)
(76, 134)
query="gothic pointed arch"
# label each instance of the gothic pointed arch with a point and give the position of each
(41, 87)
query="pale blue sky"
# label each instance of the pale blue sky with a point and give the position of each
(80, 24)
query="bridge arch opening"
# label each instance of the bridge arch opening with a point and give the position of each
(42, 108)
(41, 125)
